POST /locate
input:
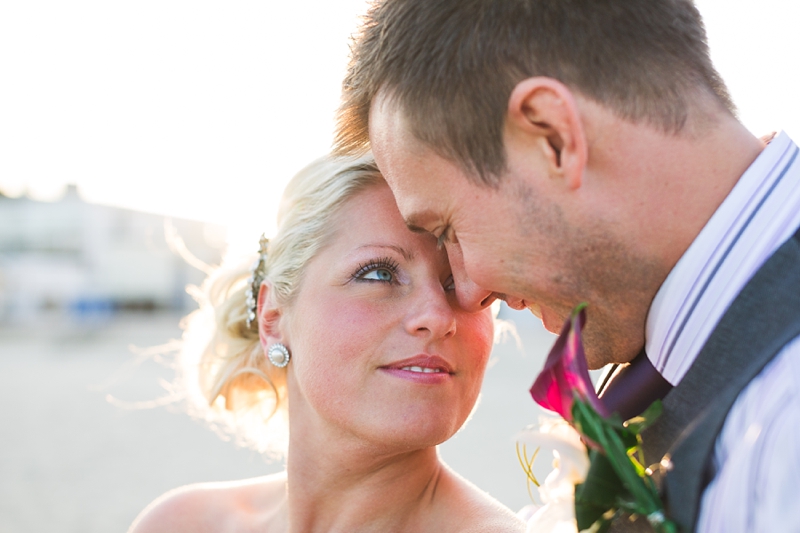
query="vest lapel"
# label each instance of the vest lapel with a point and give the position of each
(763, 318)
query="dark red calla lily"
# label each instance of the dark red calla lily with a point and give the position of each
(566, 373)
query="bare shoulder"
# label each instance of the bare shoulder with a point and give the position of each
(479, 512)
(492, 517)
(243, 506)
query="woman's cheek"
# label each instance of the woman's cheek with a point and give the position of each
(350, 330)
(478, 331)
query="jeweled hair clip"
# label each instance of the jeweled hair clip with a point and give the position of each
(257, 274)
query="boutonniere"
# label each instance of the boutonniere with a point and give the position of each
(613, 479)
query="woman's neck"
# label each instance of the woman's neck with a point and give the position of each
(340, 484)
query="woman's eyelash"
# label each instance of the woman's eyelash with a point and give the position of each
(386, 263)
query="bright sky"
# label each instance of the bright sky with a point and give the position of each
(205, 109)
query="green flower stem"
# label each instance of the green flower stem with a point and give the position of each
(645, 498)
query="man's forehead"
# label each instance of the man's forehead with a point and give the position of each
(417, 175)
(421, 207)
(389, 124)
(401, 158)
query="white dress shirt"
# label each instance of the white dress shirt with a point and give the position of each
(757, 454)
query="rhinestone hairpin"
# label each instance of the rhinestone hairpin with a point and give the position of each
(257, 274)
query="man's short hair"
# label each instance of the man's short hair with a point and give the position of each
(450, 66)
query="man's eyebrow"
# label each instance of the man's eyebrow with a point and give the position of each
(407, 254)
(415, 229)
(416, 221)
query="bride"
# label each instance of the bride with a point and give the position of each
(348, 333)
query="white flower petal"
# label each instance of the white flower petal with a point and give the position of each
(554, 518)
(564, 443)
(527, 512)
(571, 463)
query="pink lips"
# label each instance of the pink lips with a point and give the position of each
(429, 369)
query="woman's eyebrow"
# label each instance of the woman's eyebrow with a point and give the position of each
(408, 255)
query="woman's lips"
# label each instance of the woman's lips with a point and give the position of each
(421, 369)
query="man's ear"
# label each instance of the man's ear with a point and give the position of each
(545, 110)
(268, 316)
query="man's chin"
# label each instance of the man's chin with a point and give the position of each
(551, 321)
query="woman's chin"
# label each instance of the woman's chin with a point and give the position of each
(410, 431)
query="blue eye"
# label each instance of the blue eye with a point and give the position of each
(380, 270)
(379, 274)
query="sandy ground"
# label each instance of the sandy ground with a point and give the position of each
(71, 461)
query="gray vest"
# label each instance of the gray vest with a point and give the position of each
(762, 319)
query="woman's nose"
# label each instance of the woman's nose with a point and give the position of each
(471, 297)
(432, 313)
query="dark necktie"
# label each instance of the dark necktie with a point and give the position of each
(630, 389)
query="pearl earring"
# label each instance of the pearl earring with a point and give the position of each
(278, 355)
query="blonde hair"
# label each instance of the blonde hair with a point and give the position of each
(222, 367)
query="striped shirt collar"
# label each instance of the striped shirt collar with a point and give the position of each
(760, 213)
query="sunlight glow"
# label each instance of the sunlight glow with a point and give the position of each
(195, 109)
(204, 109)
(756, 48)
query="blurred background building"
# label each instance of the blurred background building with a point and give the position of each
(90, 261)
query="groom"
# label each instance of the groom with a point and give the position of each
(566, 151)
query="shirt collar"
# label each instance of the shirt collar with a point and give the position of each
(760, 213)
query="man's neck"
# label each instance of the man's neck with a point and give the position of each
(671, 184)
(652, 193)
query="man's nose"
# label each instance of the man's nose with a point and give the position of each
(471, 297)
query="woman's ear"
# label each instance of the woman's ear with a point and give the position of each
(545, 112)
(268, 316)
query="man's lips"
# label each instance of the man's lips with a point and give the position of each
(551, 322)
(423, 364)
(513, 302)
